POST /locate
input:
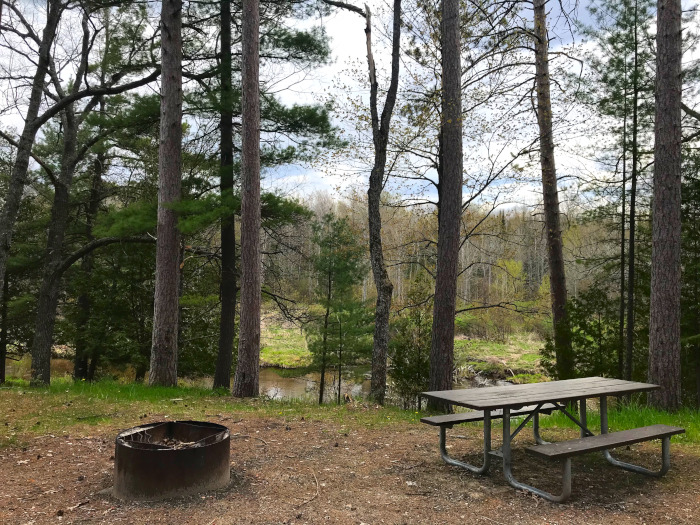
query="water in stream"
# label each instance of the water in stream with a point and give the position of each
(275, 385)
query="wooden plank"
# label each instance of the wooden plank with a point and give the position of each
(579, 446)
(453, 419)
(550, 388)
(466, 417)
(554, 388)
(535, 393)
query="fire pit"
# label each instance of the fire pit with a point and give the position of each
(173, 458)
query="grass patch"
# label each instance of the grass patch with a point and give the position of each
(80, 407)
(624, 417)
(521, 379)
(68, 407)
(283, 347)
(518, 355)
(621, 417)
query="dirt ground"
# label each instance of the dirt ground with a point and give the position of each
(303, 471)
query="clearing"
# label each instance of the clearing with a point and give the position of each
(297, 463)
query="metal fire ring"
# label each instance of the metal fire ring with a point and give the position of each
(172, 458)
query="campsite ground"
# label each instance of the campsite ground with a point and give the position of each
(297, 463)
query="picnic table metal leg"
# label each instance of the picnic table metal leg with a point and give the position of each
(487, 449)
(583, 417)
(508, 473)
(536, 430)
(665, 448)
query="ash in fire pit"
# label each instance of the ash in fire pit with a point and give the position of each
(173, 458)
(177, 444)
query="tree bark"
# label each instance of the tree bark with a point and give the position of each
(247, 370)
(664, 322)
(550, 194)
(47, 301)
(623, 196)
(18, 175)
(340, 355)
(380, 135)
(227, 289)
(450, 211)
(629, 355)
(163, 370)
(3, 332)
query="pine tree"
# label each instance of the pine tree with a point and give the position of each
(550, 197)
(163, 370)
(339, 265)
(664, 318)
(622, 90)
(247, 369)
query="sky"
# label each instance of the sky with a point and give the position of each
(346, 31)
(339, 79)
(347, 41)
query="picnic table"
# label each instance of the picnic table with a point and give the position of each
(531, 400)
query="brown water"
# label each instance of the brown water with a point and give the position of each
(276, 386)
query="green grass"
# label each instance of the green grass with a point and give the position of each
(624, 417)
(283, 347)
(81, 407)
(518, 356)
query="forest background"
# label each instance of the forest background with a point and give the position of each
(80, 273)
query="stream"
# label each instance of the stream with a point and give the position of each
(278, 384)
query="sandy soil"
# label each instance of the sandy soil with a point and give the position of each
(302, 471)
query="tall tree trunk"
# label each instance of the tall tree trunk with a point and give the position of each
(3, 331)
(450, 210)
(246, 380)
(629, 356)
(18, 175)
(664, 319)
(227, 288)
(623, 195)
(550, 194)
(696, 307)
(340, 355)
(165, 310)
(696, 310)
(47, 301)
(380, 135)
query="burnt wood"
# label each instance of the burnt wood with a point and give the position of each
(448, 420)
(516, 396)
(584, 445)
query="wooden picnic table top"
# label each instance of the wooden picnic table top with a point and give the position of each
(493, 397)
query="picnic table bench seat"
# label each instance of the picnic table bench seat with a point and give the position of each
(448, 420)
(576, 447)
(565, 450)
